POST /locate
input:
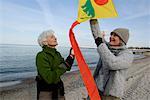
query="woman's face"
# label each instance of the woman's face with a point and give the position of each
(114, 39)
(52, 41)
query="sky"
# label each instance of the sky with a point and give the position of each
(21, 21)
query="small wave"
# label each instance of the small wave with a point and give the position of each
(138, 56)
(9, 83)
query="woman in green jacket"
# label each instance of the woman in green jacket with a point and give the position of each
(50, 66)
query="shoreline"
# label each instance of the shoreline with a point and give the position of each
(31, 80)
(138, 86)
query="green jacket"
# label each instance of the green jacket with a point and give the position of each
(50, 65)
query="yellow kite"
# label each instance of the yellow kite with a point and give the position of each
(93, 9)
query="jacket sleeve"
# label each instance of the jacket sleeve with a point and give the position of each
(121, 61)
(66, 64)
(46, 71)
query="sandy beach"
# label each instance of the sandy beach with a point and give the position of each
(137, 88)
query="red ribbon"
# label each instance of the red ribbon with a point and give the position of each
(83, 67)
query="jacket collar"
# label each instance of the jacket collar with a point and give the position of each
(49, 50)
(116, 50)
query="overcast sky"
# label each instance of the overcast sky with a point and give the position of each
(21, 21)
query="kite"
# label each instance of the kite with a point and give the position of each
(90, 9)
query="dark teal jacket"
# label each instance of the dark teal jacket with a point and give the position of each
(50, 65)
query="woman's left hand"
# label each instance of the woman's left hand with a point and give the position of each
(71, 52)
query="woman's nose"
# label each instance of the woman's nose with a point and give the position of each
(112, 36)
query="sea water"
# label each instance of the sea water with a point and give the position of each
(17, 62)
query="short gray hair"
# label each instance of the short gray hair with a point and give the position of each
(43, 36)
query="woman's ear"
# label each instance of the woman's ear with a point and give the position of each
(121, 43)
(45, 43)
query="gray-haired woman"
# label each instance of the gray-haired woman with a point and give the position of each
(50, 66)
(115, 59)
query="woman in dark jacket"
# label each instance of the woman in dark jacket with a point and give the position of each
(50, 66)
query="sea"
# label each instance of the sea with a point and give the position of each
(17, 62)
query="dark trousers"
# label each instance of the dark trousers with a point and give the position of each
(51, 91)
(47, 95)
